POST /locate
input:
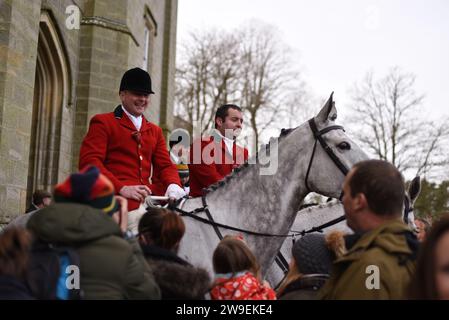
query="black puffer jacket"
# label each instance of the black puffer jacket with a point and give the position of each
(12, 288)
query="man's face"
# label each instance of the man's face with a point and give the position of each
(233, 122)
(46, 201)
(184, 180)
(181, 152)
(442, 267)
(134, 102)
(421, 230)
(350, 203)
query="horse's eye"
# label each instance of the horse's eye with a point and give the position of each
(344, 146)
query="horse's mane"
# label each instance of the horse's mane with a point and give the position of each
(244, 167)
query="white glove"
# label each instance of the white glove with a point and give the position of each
(175, 191)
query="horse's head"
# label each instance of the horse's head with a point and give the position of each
(333, 153)
(412, 194)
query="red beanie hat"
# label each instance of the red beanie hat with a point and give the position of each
(89, 187)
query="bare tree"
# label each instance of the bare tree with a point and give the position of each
(300, 106)
(268, 77)
(206, 76)
(249, 66)
(390, 123)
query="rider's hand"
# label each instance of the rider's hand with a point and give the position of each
(175, 192)
(138, 193)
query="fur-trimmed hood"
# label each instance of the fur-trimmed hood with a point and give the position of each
(177, 279)
(335, 241)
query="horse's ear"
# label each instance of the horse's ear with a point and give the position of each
(328, 112)
(414, 189)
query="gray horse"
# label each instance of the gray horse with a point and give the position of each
(268, 204)
(317, 215)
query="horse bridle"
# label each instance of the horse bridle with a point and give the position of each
(408, 207)
(318, 135)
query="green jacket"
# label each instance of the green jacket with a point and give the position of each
(110, 266)
(386, 248)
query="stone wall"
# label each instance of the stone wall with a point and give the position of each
(109, 42)
(112, 41)
(19, 25)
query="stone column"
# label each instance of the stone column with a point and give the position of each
(103, 58)
(168, 67)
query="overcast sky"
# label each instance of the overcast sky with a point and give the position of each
(337, 42)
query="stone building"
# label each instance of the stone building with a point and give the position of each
(56, 73)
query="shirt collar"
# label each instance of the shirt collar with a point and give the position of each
(139, 118)
(228, 142)
(226, 139)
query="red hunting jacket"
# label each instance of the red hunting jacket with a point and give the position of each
(125, 155)
(205, 167)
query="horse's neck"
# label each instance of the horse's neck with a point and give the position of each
(262, 203)
(251, 196)
(252, 189)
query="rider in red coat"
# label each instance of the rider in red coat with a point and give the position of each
(213, 158)
(128, 149)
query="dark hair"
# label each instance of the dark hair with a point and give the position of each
(233, 255)
(172, 143)
(162, 227)
(423, 284)
(222, 111)
(381, 183)
(39, 196)
(15, 246)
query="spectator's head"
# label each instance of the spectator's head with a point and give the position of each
(88, 187)
(179, 143)
(15, 245)
(312, 255)
(373, 193)
(229, 119)
(179, 137)
(135, 88)
(162, 228)
(232, 255)
(422, 228)
(41, 198)
(431, 278)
